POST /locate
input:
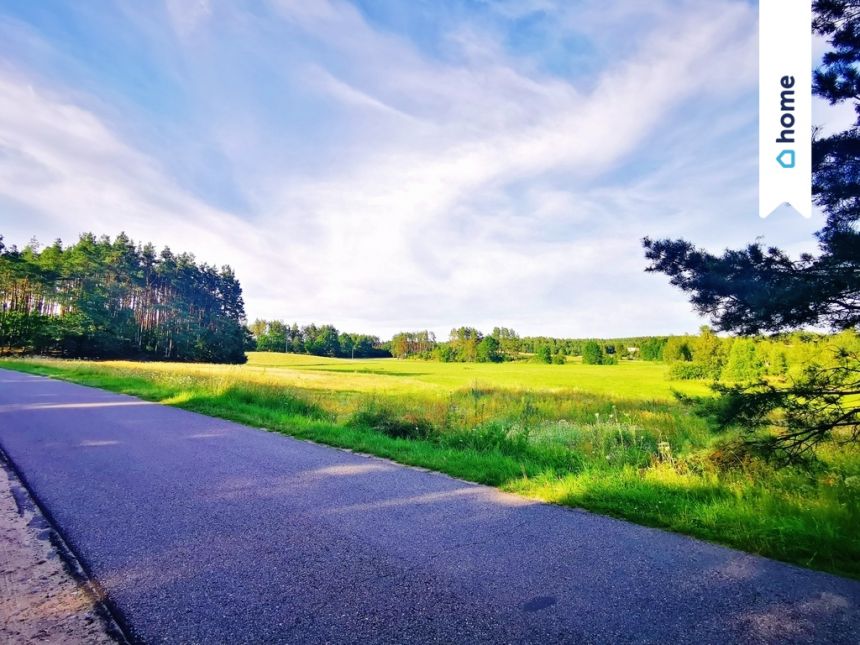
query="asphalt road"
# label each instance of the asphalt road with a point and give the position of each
(205, 531)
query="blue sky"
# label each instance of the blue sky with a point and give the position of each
(389, 164)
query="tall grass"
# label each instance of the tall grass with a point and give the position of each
(646, 459)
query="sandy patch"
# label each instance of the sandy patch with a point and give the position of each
(40, 602)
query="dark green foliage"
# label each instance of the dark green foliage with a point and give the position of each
(544, 354)
(651, 349)
(592, 353)
(836, 188)
(413, 343)
(819, 405)
(104, 298)
(838, 78)
(325, 340)
(677, 348)
(509, 342)
(463, 346)
(753, 290)
(488, 350)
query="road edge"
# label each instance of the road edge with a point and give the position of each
(111, 618)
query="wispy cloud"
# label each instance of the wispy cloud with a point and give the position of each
(383, 184)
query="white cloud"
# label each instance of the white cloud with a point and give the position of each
(68, 173)
(469, 189)
(402, 218)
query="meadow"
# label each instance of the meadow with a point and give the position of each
(613, 439)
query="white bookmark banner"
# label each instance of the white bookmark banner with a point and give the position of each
(785, 106)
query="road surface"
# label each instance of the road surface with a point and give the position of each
(206, 531)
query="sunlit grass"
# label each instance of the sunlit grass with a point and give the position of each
(639, 380)
(612, 439)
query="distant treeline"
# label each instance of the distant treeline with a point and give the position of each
(323, 340)
(703, 356)
(467, 344)
(708, 356)
(104, 298)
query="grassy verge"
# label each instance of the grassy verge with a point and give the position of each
(643, 460)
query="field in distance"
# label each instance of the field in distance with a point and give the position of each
(640, 380)
(609, 438)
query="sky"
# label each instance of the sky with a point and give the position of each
(390, 165)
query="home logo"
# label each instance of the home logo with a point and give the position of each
(786, 159)
(785, 107)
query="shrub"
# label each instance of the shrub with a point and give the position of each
(543, 354)
(592, 353)
(688, 371)
(744, 363)
(677, 349)
(408, 426)
(735, 454)
(488, 350)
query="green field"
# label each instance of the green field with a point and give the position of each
(632, 379)
(610, 438)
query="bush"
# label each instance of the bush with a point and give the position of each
(389, 423)
(744, 363)
(688, 371)
(543, 354)
(677, 349)
(735, 454)
(592, 353)
(488, 350)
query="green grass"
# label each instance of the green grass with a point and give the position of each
(578, 435)
(638, 380)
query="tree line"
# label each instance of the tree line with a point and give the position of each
(705, 356)
(751, 358)
(464, 344)
(468, 344)
(322, 340)
(112, 298)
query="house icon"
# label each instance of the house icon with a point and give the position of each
(786, 159)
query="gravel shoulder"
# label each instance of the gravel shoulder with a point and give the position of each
(40, 602)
